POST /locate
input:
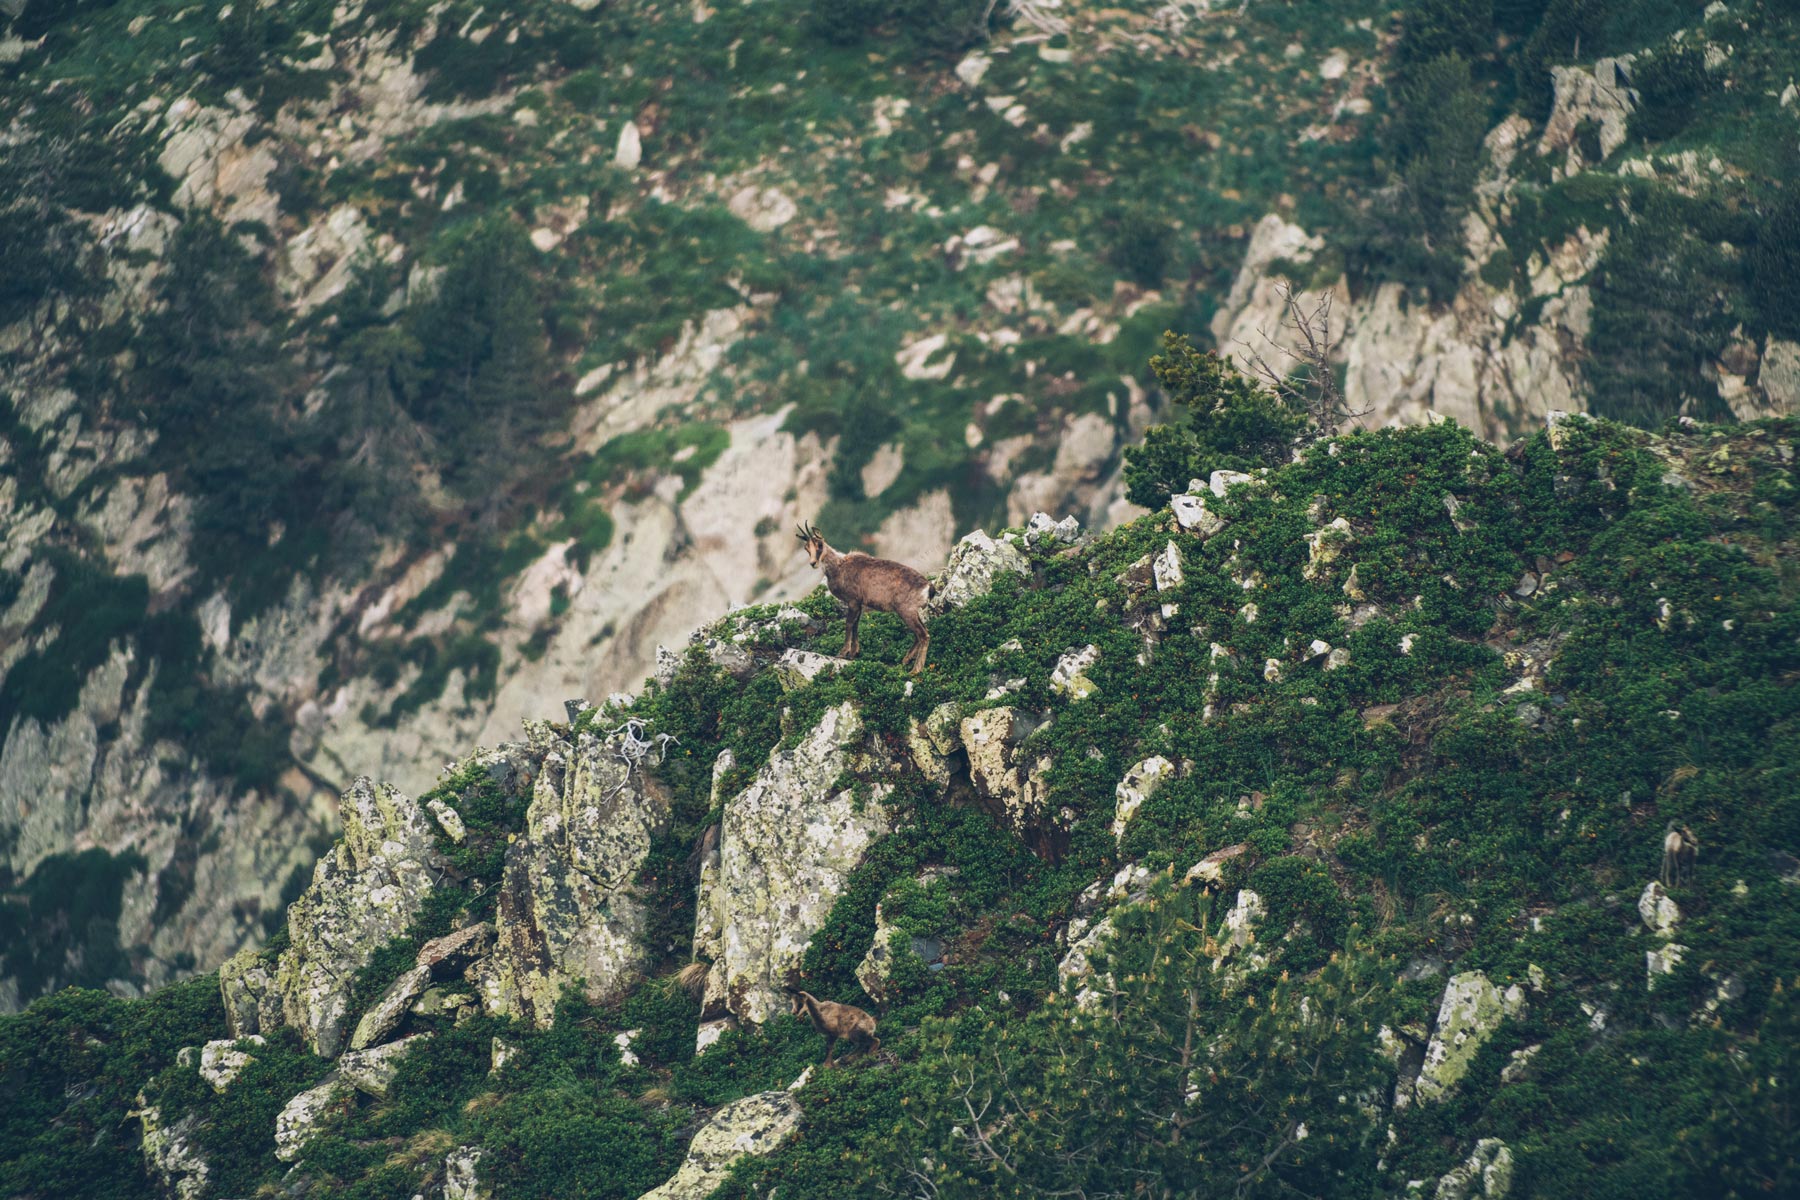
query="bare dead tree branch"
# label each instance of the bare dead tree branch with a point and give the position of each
(1306, 347)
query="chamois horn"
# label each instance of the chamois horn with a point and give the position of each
(805, 532)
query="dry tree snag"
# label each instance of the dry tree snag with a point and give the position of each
(836, 1021)
(1309, 382)
(862, 581)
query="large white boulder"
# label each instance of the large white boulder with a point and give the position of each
(569, 909)
(787, 846)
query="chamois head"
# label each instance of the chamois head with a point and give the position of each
(812, 539)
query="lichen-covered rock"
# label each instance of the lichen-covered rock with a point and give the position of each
(462, 1177)
(250, 994)
(1070, 675)
(755, 1125)
(1658, 910)
(931, 742)
(569, 907)
(364, 893)
(873, 971)
(1471, 1009)
(299, 1121)
(1600, 98)
(787, 845)
(1487, 1174)
(1043, 530)
(390, 1008)
(1011, 782)
(975, 563)
(447, 955)
(796, 668)
(1219, 482)
(1662, 962)
(1324, 546)
(221, 1062)
(172, 1153)
(1211, 869)
(1076, 969)
(1192, 515)
(448, 819)
(1139, 784)
(372, 1071)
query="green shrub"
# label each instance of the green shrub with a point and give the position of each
(1670, 85)
(1775, 264)
(1231, 424)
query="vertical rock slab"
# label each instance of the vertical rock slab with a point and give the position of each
(1011, 782)
(1472, 1008)
(364, 893)
(172, 1153)
(251, 996)
(569, 909)
(787, 844)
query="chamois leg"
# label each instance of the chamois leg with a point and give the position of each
(921, 643)
(852, 641)
(830, 1045)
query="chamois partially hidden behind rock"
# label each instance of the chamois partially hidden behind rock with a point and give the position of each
(836, 1021)
(862, 581)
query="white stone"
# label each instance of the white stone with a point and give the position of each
(1070, 675)
(298, 1122)
(1658, 910)
(1471, 1010)
(221, 1062)
(1140, 783)
(630, 149)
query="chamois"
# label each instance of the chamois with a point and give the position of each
(862, 581)
(1680, 849)
(836, 1021)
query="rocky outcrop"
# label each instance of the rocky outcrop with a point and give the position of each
(251, 995)
(787, 844)
(1487, 1174)
(975, 563)
(1012, 781)
(462, 1175)
(221, 1061)
(1471, 1010)
(878, 964)
(364, 893)
(172, 1153)
(1139, 784)
(755, 1125)
(569, 910)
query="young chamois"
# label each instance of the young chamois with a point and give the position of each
(861, 581)
(836, 1021)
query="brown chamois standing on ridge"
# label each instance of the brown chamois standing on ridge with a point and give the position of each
(862, 581)
(836, 1021)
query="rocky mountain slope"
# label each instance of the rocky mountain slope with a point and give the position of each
(375, 372)
(1307, 834)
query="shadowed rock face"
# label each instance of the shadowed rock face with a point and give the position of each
(787, 844)
(364, 893)
(568, 907)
